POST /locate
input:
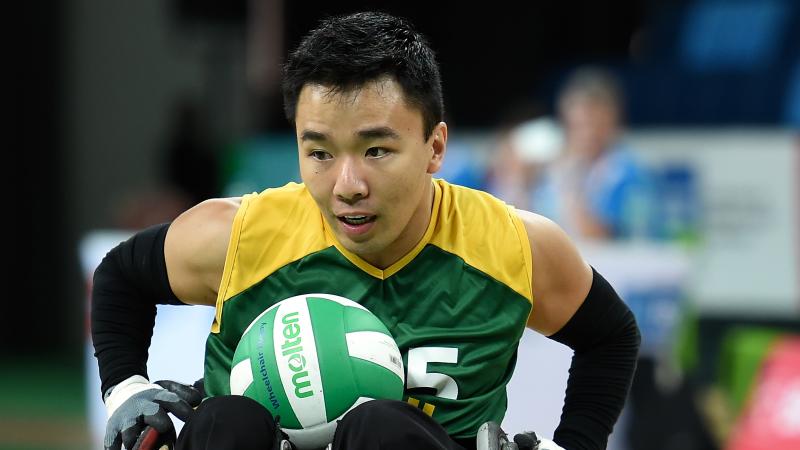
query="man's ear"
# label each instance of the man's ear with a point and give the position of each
(438, 145)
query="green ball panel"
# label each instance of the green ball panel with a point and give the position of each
(361, 320)
(376, 381)
(337, 378)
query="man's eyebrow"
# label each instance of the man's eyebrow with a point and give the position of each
(311, 135)
(379, 133)
(367, 134)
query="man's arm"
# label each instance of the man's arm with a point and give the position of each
(195, 249)
(178, 263)
(166, 264)
(561, 278)
(575, 305)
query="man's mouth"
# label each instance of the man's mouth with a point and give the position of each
(356, 220)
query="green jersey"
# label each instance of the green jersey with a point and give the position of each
(457, 304)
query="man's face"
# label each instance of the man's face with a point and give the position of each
(366, 162)
(590, 125)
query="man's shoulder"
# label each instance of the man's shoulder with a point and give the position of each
(213, 215)
(538, 227)
(286, 212)
(472, 212)
(486, 233)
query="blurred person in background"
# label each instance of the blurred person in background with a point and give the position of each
(595, 189)
(522, 157)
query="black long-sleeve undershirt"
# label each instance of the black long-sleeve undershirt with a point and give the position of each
(128, 283)
(604, 335)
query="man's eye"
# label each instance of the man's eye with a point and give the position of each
(320, 155)
(376, 152)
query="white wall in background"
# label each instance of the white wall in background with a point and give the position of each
(747, 261)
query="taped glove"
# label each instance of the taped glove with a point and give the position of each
(136, 404)
(531, 441)
(492, 437)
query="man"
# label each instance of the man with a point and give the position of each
(452, 272)
(596, 189)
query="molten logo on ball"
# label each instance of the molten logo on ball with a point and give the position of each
(292, 347)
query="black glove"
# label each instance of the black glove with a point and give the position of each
(138, 412)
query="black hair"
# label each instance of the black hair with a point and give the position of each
(346, 52)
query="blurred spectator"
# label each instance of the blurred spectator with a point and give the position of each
(595, 189)
(522, 155)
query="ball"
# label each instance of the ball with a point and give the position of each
(310, 359)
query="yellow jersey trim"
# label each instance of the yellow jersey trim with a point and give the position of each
(230, 258)
(487, 234)
(270, 230)
(383, 274)
(525, 244)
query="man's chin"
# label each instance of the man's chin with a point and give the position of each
(359, 246)
(362, 245)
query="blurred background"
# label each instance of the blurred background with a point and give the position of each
(664, 136)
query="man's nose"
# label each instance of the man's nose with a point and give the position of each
(350, 183)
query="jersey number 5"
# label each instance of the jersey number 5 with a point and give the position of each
(419, 377)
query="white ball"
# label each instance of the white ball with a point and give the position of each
(310, 359)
